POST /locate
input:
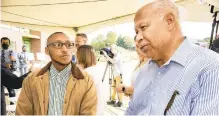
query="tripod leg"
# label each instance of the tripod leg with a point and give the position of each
(110, 82)
(104, 74)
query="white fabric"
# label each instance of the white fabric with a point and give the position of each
(96, 74)
(117, 67)
(112, 12)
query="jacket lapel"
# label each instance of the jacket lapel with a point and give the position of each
(70, 86)
(42, 87)
(46, 92)
(39, 87)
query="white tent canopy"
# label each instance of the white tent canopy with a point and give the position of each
(88, 15)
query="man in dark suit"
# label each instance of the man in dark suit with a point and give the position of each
(8, 79)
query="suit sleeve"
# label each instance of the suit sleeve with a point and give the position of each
(11, 80)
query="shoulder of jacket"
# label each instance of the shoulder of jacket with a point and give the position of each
(32, 76)
(84, 74)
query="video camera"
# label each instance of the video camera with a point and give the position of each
(108, 52)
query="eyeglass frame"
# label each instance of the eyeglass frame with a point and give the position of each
(61, 45)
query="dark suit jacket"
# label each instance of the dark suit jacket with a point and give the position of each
(8, 79)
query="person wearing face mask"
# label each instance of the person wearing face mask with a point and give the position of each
(23, 61)
(7, 55)
(8, 60)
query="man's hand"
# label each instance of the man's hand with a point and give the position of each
(8, 66)
(12, 58)
(119, 88)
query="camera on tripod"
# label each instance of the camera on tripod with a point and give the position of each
(108, 52)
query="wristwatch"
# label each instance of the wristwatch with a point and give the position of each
(123, 89)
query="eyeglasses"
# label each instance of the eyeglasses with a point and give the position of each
(58, 45)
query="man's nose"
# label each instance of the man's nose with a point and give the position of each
(139, 37)
(64, 48)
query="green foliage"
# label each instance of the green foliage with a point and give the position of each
(129, 42)
(120, 41)
(126, 42)
(100, 41)
(111, 38)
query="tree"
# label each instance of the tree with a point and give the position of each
(111, 38)
(98, 43)
(120, 41)
(128, 42)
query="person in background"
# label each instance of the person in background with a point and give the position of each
(86, 59)
(128, 90)
(116, 62)
(23, 60)
(81, 39)
(8, 60)
(59, 88)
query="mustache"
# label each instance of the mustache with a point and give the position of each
(62, 64)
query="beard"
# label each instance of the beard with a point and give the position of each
(63, 64)
(59, 63)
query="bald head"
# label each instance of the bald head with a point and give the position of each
(159, 8)
(158, 31)
(54, 35)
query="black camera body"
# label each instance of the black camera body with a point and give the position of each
(108, 52)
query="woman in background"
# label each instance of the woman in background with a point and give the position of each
(128, 90)
(86, 60)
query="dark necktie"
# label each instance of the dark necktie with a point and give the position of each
(3, 56)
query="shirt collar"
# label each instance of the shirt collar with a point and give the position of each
(65, 72)
(180, 55)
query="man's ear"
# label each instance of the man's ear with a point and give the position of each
(47, 50)
(170, 21)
